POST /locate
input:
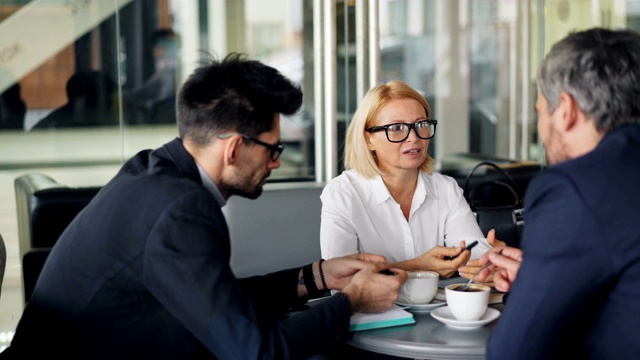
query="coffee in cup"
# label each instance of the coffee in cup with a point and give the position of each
(421, 287)
(469, 304)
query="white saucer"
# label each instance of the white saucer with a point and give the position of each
(445, 316)
(419, 307)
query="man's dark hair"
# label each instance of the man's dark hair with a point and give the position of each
(162, 35)
(234, 94)
(94, 88)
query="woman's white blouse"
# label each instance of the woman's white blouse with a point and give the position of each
(359, 215)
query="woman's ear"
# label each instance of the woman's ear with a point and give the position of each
(367, 139)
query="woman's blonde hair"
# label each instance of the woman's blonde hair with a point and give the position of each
(357, 155)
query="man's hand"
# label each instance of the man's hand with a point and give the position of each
(339, 271)
(372, 258)
(370, 291)
(507, 261)
(473, 266)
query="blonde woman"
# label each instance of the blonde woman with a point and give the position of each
(389, 201)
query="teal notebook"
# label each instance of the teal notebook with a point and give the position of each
(395, 316)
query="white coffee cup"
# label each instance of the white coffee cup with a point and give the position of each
(421, 287)
(467, 305)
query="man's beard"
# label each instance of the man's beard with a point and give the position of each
(254, 194)
(248, 191)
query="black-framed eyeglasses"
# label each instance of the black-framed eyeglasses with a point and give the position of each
(275, 150)
(399, 132)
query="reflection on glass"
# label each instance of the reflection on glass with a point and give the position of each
(154, 100)
(458, 55)
(280, 34)
(90, 102)
(122, 74)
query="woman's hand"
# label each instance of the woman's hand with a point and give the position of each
(434, 260)
(473, 266)
(493, 241)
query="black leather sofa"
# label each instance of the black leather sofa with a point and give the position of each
(287, 239)
(44, 209)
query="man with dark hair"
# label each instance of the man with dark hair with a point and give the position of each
(577, 291)
(154, 101)
(89, 103)
(143, 271)
(12, 108)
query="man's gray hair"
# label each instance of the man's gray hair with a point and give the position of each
(600, 69)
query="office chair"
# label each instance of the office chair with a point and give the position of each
(44, 208)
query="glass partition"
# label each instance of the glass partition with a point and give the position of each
(465, 57)
(87, 84)
(102, 85)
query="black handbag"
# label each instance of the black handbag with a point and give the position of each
(496, 202)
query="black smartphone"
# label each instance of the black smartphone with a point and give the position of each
(468, 247)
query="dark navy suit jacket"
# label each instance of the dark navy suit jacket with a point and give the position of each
(577, 293)
(143, 272)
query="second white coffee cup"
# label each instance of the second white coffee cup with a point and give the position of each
(467, 305)
(421, 287)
